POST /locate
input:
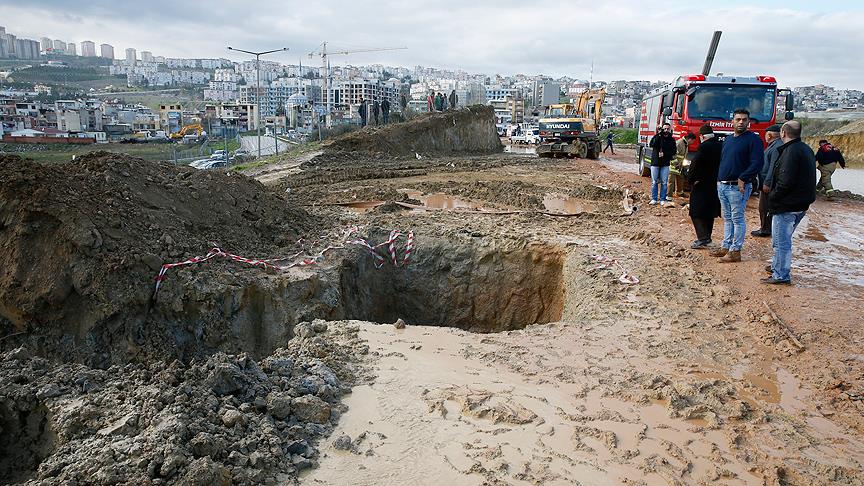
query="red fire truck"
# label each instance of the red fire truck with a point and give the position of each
(695, 99)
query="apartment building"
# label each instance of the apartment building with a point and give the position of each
(106, 51)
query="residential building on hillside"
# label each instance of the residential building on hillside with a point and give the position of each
(131, 55)
(59, 46)
(88, 49)
(146, 56)
(106, 51)
(71, 49)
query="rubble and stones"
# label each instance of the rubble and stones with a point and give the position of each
(201, 423)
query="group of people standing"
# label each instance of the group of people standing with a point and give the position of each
(381, 110)
(722, 176)
(438, 102)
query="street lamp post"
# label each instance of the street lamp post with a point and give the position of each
(258, 87)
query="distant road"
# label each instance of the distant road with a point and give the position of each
(268, 145)
(173, 90)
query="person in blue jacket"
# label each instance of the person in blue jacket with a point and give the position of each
(740, 163)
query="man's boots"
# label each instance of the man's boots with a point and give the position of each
(731, 257)
(719, 252)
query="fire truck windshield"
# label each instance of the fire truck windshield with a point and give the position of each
(717, 102)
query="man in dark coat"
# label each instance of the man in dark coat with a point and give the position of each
(772, 136)
(454, 98)
(702, 176)
(362, 111)
(793, 190)
(385, 110)
(375, 109)
(662, 150)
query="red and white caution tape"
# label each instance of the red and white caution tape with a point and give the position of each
(608, 262)
(271, 263)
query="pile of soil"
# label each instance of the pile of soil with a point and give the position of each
(220, 421)
(82, 242)
(468, 130)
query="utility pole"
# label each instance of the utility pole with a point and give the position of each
(258, 87)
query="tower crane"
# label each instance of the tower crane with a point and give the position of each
(326, 67)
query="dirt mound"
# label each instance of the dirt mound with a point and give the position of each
(468, 130)
(226, 420)
(854, 127)
(82, 242)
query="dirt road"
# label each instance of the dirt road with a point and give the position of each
(682, 378)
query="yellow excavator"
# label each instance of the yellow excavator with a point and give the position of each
(196, 127)
(572, 129)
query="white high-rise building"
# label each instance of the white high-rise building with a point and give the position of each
(46, 44)
(146, 56)
(106, 51)
(131, 55)
(59, 46)
(71, 50)
(88, 49)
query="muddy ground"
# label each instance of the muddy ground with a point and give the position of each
(550, 328)
(683, 378)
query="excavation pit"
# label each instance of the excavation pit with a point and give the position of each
(474, 289)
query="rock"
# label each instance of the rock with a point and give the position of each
(226, 379)
(399, 324)
(278, 366)
(310, 408)
(204, 444)
(232, 417)
(279, 405)
(50, 390)
(304, 330)
(319, 326)
(123, 426)
(238, 458)
(206, 472)
(297, 447)
(171, 465)
(19, 354)
(301, 462)
(343, 443)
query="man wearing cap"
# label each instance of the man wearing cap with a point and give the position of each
(772, 137)
(704, 205)
(827, 157)
(792, 191)
(740, 163)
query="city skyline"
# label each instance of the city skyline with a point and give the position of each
(662, 53)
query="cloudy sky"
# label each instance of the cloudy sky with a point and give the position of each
(800, 42)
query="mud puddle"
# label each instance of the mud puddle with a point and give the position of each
(442, 201)
(566, 205)
(830, 243)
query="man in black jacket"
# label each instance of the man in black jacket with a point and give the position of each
(793, 190)
(662, 150)
(702, 176)
(772, 137)
(827, 157)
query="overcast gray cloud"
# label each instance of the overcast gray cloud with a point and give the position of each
(626, 39)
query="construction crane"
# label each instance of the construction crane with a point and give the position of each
(326, 67)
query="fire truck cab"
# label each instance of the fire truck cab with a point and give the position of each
(695, 99)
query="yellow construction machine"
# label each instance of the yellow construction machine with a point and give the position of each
(572, 129)
(196, 127)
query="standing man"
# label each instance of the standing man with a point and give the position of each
(403, 102)
(704, 203)
(385, 110)
(772, 137)
(430, 100)
(742, 158)
(828, 157)
(609, 137)
(362, 111)
(454, 98)
(375, 109)
(663, 149)
(793, 190)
